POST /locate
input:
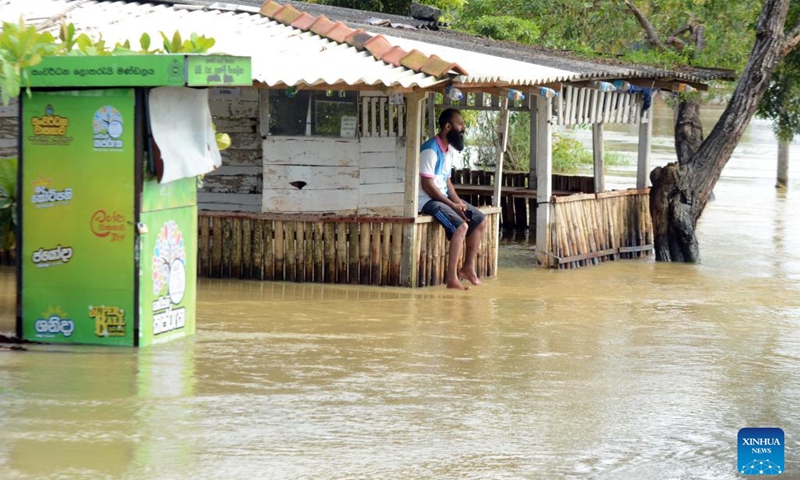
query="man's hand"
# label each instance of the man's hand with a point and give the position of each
(460, 208)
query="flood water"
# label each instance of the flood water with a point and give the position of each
(627, 370)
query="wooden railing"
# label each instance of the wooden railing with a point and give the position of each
(305, 248)
(589, 229)
(518, 201)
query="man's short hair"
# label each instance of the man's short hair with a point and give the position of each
(446, 116)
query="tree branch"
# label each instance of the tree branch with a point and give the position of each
(792, 40)
(652, 36)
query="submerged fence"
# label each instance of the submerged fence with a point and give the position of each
(353, 250)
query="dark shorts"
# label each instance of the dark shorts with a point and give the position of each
(449, 219)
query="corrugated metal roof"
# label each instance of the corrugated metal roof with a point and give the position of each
(292, 54)
(598, 67)
(282, 55)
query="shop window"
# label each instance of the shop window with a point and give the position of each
(328, 113)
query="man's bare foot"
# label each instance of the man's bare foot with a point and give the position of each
(470, 276)
(456, 284)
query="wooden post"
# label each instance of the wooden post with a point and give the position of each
(532, 179)
(783, 164)
(408, 268)
(599, 164)
(431, 103)
(263, 130)
(500, 149)
(645, 143)
(544, 183)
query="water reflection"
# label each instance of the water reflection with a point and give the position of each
(628, 370)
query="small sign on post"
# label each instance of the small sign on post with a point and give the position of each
(348, 127)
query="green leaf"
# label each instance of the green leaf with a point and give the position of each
(167, 45)
(176, 41)
(144, 41)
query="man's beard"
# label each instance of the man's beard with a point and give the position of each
(456, 139)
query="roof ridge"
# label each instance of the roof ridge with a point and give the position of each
(377, 45)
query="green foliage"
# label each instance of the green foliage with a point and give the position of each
(21, 46)
(569, 154)
(8, 202)
(504, 27)
(780, 102)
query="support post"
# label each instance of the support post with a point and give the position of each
(263, 130)
(431, 103)
(500, 150)
(645, 145)
(599, 161)
(544, 182)
(783, 164)
(532, 95)
(408, 269)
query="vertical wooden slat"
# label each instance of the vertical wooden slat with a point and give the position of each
(581, 105)
(401, 124)
(443, 244)
(319, 252)
(375, 253)
(365, 229)
(569, 99)
(227, 246)
(386, 251)
(258, 249)
(216, 247)
(382, 112)
(247, 249)
(352, 240)
(236, 242)
(391, 119)
(397, 253)
(205, 246)
(373, 123)
(270, 247)
(280, 250)
(365, 129)
(422, 264)
(300, 251)
(311, 246)
(329, 231)
(433, 246)
(341, 253)
(626, 108)
(290, 257)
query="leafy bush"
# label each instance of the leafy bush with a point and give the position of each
(504, 27)
(8, 202)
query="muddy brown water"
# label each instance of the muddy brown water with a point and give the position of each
(628, 370)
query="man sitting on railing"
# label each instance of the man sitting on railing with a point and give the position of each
(438, 198)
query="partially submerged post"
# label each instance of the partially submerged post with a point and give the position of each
(783, 164)
(110, 150)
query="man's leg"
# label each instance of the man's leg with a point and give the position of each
(456, 245)
(456, 229)
(473, 240)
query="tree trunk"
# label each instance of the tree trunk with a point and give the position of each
(682, 189)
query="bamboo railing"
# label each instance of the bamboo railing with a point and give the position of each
(304, 248)
(518, 207)
(589, 229)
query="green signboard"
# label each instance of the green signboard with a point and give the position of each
(168, 274)
(141, 71)
(77, 261)
(215, 70)
(109, 71)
